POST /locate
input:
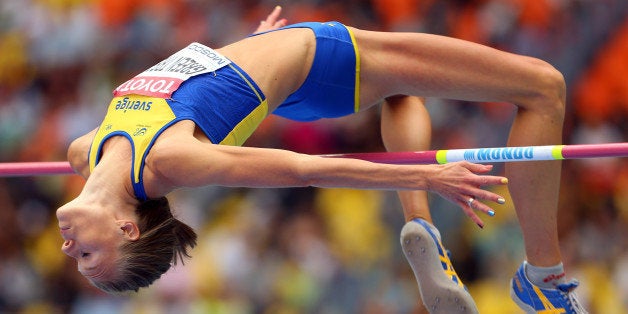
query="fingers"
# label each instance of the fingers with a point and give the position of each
(484, 180)
(477, 168)
(272, 17)
(463, 182)
(468, 210)
(471, 202)
(281, 23)
(272, 21)
(480, 194)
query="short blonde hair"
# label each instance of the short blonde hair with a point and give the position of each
(163, 241)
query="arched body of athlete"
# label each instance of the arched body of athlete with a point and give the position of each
(281, 72)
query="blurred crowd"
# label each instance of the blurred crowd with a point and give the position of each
(306, 250)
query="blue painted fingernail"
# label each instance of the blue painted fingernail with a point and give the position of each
(491, 213)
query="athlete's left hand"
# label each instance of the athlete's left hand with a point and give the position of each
(272, 21)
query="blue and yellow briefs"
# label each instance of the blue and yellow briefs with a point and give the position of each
(332, 88)
(228, 106)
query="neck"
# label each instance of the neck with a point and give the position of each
(110, 182)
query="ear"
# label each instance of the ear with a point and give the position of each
(129, 229)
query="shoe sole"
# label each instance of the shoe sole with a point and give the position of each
(439, 293)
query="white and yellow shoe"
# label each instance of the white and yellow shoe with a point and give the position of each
(441, 289)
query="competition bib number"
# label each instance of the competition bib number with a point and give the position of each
(164, 78)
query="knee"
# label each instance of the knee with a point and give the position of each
(550, 91)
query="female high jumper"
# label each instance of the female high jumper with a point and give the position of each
(182, 123)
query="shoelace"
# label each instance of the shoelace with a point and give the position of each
(574, 304)
(448, 267)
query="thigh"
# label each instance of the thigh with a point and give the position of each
(438, 66)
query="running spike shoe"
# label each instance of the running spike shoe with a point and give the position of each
(441, 289)
(533, 299)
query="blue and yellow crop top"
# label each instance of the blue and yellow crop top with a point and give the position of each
(194, 84)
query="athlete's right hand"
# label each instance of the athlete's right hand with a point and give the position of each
(459, 182)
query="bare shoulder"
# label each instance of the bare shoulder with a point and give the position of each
(78, 151)
(168, 157)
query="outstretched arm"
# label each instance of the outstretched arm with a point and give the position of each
(190, 163)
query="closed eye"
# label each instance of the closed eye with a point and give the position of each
(85, 254)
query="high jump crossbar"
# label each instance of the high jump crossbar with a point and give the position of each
(495, 154)
(475, 155)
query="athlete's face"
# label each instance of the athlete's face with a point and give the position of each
(90, 236)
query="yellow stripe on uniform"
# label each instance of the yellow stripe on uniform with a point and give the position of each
(247, 82)
(356, 101)
(247, 126)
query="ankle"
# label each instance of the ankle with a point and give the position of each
(418, 215)
(545, 277)
(428, 224)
